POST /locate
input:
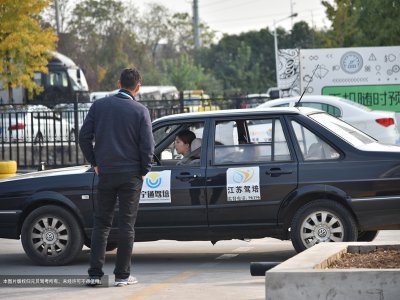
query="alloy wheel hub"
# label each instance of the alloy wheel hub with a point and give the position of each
(49, 236)
(321, 226)
(322, 232)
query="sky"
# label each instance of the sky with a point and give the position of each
(237, 16)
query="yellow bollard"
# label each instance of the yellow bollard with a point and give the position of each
(8, 168)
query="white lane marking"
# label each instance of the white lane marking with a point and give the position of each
(227, 256)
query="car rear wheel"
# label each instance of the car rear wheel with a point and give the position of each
(367, 236)
(51, 236)
(322, 221)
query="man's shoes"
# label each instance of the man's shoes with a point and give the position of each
(93, 281)
(126, 281)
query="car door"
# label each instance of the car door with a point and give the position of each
(252, 169)
(173, 194)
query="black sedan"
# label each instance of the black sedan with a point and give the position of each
(291, 173)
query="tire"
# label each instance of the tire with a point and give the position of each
(367, 236)
(51, 236)
(8, 167)
(322, 221)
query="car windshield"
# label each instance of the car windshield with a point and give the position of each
(73, 75)
(161, 133)
(343, 130)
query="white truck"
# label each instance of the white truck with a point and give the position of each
(64, 82)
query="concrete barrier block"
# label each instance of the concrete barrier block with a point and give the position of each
(305, 276)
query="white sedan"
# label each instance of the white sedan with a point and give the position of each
(34, 123)
(381, 125)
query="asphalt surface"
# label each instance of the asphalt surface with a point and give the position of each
(165, 270)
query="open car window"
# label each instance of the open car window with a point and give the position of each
(166, 153)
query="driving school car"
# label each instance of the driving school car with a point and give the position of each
(295, 173)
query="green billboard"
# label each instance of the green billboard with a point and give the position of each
(376, 97)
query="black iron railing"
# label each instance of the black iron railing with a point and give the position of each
(36, 134)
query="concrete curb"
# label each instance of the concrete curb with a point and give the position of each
(305, 276)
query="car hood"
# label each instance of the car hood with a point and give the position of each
(48, 173)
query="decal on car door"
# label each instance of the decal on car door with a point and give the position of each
(156, 187)
(243, 184)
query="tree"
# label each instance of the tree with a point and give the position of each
(153, 29)
(245, 63)
(105, 46)
(303, 37)
(65, 8)
(182, 26)
(185, 75)
(344, 15)
(358, 23)
(240, 73)
(24, 45)
(378, 22)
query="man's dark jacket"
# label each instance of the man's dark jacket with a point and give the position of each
(122, 131)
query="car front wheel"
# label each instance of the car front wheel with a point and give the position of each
(51, 236)
(322, 221)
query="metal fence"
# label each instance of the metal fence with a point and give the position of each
(34, 135)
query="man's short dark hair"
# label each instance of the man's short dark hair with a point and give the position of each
(186, 136)
(130, 78)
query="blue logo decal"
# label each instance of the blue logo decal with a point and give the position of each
(153, 180)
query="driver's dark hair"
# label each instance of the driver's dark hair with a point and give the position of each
(186, 136)
(130, 78)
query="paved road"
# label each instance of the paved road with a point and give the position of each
(165, 269)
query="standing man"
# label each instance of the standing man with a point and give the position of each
(124, 146)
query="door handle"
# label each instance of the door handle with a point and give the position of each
(187, 176)
(278, 171)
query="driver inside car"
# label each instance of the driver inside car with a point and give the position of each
(183, 143)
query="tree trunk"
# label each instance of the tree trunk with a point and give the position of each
(9, 86)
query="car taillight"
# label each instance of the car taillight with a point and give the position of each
(17, 126)
(385, 121)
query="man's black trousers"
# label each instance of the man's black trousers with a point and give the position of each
(125, 187)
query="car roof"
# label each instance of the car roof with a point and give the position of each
(334, 100)
(239, 112)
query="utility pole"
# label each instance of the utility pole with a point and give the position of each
(291, 11)
(196, 24)
(57, 17)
